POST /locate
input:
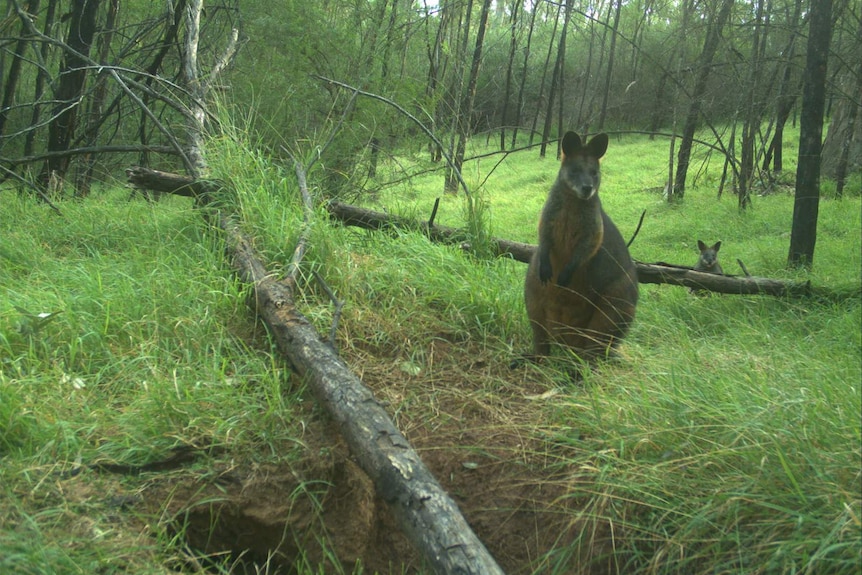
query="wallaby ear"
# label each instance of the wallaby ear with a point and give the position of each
(716, 247)
(700, 245)
(598, 145)
(571, 144)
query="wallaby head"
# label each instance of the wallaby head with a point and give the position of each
(579, 171)
(708, 255)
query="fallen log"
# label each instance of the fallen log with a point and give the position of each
(657, 273)
(425, 512)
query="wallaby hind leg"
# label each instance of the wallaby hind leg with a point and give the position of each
(609, 325)
(541, 340)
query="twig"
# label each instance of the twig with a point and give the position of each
(743, 268)
(336, 315)
(307, 208)
(412, 118)
(637, 229)
(433, 213)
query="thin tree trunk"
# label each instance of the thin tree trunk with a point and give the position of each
(467, 109)
(15, 70)
(556, 79)
(520, 105)
(713, 36)
(513, 45)
(537, 106)
(61, 130)
(607, 91)
(751, 123)
(803, 234)
(168, 41)
(97, 102)
(41, 79)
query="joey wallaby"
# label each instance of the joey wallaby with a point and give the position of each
(581, 287)
(707, 262)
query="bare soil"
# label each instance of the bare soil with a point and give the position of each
(477, 425)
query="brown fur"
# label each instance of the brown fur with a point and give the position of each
(581, 287)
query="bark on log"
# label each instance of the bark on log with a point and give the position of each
(428, 516)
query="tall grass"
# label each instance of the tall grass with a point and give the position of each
(151, 347)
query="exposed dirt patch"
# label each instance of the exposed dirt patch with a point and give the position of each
(477, 427)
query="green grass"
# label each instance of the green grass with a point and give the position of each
(726, 441)
(152, 347)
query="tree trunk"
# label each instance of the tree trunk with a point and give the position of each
(97, 102)
(753, 114)
(513, 45)
(607, 91)
(556, 80)
(168, 41)
(73, 73)
(41, 79)
(803, 234)
(15, 70)
(713, 35)
(465, 128)
(537, 106)
(842, 149)
(519, 106)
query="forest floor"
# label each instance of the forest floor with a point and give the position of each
(474, 424)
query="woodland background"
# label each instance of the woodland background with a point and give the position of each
(90, 87)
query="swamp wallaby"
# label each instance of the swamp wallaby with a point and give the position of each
(707, 263)
(581, 288)
(708, 260)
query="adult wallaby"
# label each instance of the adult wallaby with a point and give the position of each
(707, 262)
(581, 288)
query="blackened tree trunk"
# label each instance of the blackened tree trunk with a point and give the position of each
(467, 108)
(614, 31)
(556, 79)
(97, 102)
(41, 80)
(15, 69)
(713, 36)
(73, 73)
(513, 45)
(803, 234)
